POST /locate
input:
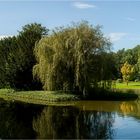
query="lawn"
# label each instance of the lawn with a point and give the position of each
(37, 97)
(131, 85)
(60, 98)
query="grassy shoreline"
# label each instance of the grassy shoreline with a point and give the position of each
(131, 85)
(38, 97)
(60, 98)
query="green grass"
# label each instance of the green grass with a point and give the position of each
(60, 98)
(37, 97)
(131, 85)
(131, 88)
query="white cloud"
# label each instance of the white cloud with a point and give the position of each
(116, 36)
(130, 19)
(82, 5)
(4, 36)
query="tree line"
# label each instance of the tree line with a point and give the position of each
(72, 58)
(17, 58)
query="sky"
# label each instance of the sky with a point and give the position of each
(120, 19)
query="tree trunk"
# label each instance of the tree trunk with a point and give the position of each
(127, 83)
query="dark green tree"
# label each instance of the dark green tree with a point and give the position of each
(26, 40)
(17, 58)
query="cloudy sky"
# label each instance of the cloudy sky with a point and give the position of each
(120, 19)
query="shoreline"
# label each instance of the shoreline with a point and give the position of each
(60, 98)
(38, 97)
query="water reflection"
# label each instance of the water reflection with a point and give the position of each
(55, 122)
(132, 108)
(16, 120)
(123, 107)
(85, 120)
(68, 122)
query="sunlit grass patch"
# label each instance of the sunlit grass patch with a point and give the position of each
(131, 85)
(59, 97)
(38, 97)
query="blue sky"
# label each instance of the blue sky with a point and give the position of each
(120, 19)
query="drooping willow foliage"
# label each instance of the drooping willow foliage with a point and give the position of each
(72, 58)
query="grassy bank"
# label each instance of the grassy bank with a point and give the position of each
(54, 97)
(131, 85)
(37, 97)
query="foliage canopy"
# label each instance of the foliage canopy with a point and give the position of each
(127, 70)
(17, 58)
(72, 58)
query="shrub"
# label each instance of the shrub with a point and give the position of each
(137, 80)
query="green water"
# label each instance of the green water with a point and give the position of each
(78, 120)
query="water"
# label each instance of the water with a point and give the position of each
(78, 120)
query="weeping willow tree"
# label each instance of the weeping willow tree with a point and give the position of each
(71, 58)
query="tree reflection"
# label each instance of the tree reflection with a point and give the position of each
(132, 108)
(97, 125)
(16, 120)
(55, 122)
(69, 122)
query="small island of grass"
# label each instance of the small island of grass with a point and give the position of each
(53, 97)
(37, 97)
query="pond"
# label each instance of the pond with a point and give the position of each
(78, 120)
